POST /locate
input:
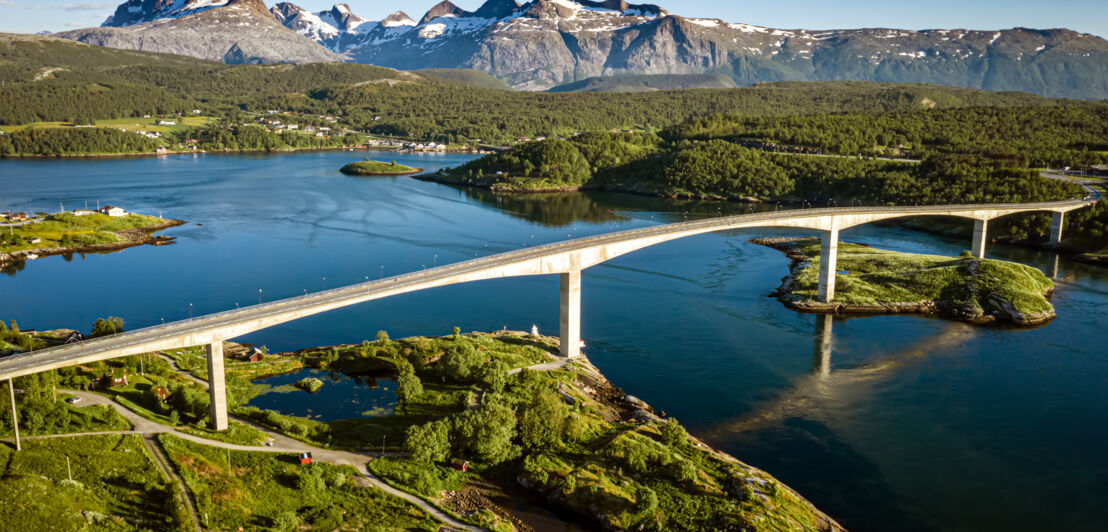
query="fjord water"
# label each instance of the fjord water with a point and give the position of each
(917, 424)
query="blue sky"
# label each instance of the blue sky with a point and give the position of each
(1089, 16)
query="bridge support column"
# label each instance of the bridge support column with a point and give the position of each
(217, 386)
(15, 414)
(828, 264)
(570, 330)
(980, 238)
(1056, 228)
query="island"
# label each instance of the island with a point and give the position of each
(378, 168)
(26, 236)
(483, 422)
(310, 385)
(875, 281)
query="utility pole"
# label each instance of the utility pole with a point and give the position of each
(69, 468)
(15, 414)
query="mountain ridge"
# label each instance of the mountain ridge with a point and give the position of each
(542, 44)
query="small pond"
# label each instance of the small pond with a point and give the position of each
(342, 396)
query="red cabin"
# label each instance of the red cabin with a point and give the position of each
(460, 465)
(305, 458)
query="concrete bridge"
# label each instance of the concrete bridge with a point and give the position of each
(567, 259)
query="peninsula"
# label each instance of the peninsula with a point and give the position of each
(875, 281)
(26, 236)
(481, 420)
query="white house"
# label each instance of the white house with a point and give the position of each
(80, 212)
(166, 123)
(112, 210)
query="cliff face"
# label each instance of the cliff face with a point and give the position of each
(232, 31)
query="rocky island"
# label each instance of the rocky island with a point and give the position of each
(875, 281)
(378, 168)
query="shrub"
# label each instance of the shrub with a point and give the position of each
(461, 362)
(428, 443)
(673, 434)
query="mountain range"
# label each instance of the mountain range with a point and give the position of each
(543, 44)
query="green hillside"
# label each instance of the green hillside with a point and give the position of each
(466, 77)
(648, 83)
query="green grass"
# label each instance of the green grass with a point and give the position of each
(116, 486)
(261, 490)
(61, 418)
(881, 276)
(372, 168)
(82, 230)
(130, 124)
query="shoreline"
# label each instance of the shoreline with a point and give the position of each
(934, 308)
(140, 155)
(136, 237)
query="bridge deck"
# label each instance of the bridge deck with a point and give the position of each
(571, 255)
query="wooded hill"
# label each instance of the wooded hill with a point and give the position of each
(45, 79)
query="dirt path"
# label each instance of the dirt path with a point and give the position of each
(162, 461)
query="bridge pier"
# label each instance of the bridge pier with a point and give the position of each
(980, 238)
(217, 386)
(15, 414)
(570, 324)
(828, 264)
(1056, 228)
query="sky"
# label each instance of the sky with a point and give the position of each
(1088, 16)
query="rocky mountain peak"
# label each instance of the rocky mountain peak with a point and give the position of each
(399, 18)
(443, 9)
(497, 9)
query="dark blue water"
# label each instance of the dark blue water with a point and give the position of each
(341, 397)
(920, 424)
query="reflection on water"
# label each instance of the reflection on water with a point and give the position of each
(341, 397)
(823, 393)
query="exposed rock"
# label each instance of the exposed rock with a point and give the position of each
(234, 31)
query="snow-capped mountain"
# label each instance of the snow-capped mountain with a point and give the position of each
(338, 29)
(544, 43)
(138, 11)
(232, 31)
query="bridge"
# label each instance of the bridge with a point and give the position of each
(567, 259)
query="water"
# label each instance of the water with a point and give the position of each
(902, 423)
(341, 397)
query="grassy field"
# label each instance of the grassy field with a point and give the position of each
(130, 124)
(67, 229)
(258, 490)
(879, 276)
(115, 486)
(377, 168)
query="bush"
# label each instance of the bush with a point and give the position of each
(428, 443)
(461, 362)
(673, 434)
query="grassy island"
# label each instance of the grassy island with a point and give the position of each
(885, 282)
(69, 232)
(378, 168)
(310, 385)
